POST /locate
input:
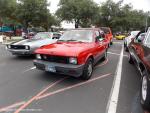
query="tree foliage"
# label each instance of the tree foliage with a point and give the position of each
(120, 17)
(82, 12)
(28, 12)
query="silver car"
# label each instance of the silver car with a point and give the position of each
(129, 39)
(28, 46)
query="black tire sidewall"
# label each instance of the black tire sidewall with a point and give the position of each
(85, 75)
(145, 104)
(130, 60)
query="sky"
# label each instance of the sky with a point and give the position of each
(137, 4)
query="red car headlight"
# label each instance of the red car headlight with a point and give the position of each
(72, 60)
(38, 56)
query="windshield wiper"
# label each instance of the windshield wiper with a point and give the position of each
(62, 40)
(71, 40)
(67, 40)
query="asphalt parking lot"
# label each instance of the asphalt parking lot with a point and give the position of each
(24, 88)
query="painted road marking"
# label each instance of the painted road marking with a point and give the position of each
(113, 53)
(4, 109)
(7, 108)
(72, 86)
(116, 54)
(113, 100)
(115, 50)
(32, 68)
(40, 93)
(117, 42)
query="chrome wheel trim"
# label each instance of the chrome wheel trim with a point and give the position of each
(144, 88)
(90, 69)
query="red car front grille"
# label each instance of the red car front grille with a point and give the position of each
(57, 59)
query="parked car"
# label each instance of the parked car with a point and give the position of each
(28, 35)
(139, 54)
(120, 36)
(128, 39)
(28, 46)
(108, 33)
(74, 54)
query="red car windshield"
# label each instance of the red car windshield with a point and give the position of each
(77, 35)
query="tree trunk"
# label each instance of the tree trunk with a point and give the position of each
(47, 28)
(26, 27)
(77, 23)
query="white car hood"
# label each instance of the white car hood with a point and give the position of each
(35, 42)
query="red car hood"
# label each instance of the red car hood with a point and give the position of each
(64, 48)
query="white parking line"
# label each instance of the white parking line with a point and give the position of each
(118, 42)
(116, 54)
(113, 53)
(113, 100)
(32, 68)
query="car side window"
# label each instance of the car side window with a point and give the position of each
(139, 38)
(99, 36)
(56, 36)
(97, 33)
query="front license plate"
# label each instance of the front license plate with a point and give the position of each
(50, 69)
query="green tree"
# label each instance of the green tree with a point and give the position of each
(81, 12)
(120, 17)
(32, 12)
(27, 12)
(109, 14)
(7, 8)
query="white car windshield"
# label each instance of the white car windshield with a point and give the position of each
(134, 33)
(77, 35)
(42, 36)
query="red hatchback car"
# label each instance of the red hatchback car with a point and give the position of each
(74, 54)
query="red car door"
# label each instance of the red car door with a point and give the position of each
(137, 49)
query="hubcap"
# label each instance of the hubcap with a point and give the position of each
(144, 88)
(90, 69)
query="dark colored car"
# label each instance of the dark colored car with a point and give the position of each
(139, 54)
(74, 54)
